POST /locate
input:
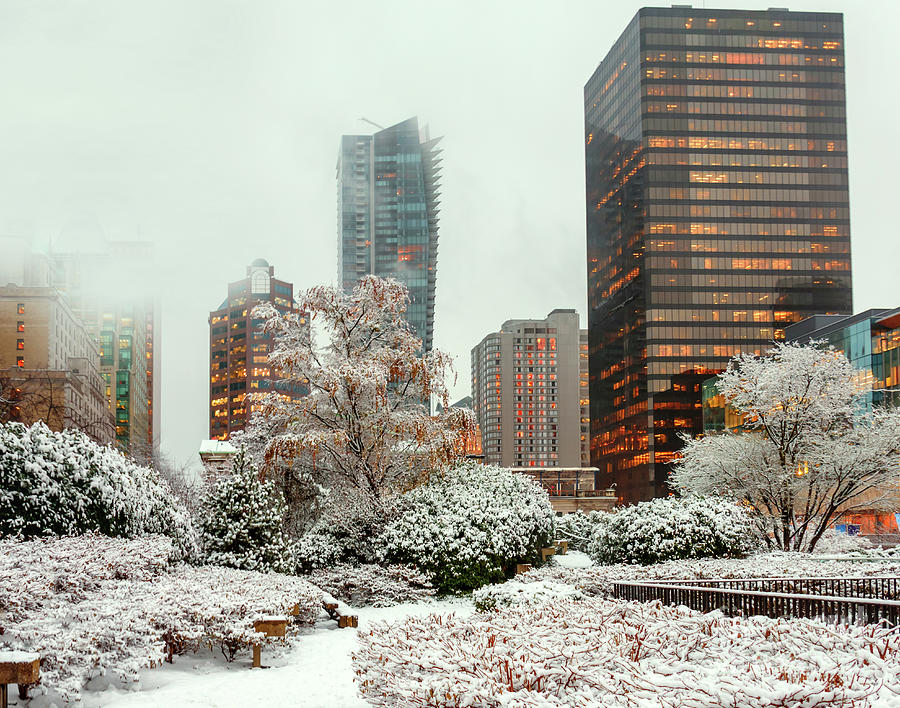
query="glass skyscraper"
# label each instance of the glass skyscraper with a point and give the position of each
(388, 190)
(717, 214)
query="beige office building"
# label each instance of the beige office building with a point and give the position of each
(48, 364)
(529, 393)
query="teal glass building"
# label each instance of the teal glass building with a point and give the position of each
(388, 199)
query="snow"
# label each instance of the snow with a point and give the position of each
(18, 657)
(219, 447)
(573, 559)
(316, 672)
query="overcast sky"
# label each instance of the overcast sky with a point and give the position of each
(212, 129)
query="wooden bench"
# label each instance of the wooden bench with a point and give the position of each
(270, 627)
(333, 608)
(547, 552)
(562, 545)
(522, 568)
(19, 667)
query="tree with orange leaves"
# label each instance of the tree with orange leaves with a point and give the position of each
(364, 423)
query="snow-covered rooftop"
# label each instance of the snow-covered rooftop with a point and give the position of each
(220, 447)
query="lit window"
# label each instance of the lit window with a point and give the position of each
(20, 308)
(20, 326)
(20, 362)
(20, 344)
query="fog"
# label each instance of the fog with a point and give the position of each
(212, 128)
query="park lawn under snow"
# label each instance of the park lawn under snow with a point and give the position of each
(316, 672)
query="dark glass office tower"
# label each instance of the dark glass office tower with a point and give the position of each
(717, 214)
(388, 197)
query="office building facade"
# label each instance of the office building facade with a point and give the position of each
(388, 204)
(529, 393)
(239, 349)
(717, 214)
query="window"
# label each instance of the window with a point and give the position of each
(20, 326)
(20, 308)
(20, 344)
(20, 362)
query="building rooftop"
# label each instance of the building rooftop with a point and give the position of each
(217, 447)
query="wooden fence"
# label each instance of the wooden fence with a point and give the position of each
(859, 603)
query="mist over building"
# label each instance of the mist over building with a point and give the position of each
(717, 214)
(113, 292)
(388, 204)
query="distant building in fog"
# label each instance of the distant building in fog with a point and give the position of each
(529, 389)
(112, 292)
(388, 201)
(239, 350)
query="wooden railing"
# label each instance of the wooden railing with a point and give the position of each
(705, 596)
(879, 588)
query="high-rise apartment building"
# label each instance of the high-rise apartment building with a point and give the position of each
(112, 293)
(529, 393)
(717, 214)
(239, 349)
(388, 190)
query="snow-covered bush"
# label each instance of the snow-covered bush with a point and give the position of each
(344, 533)
(94, 606)
(64, 483)
(578, 527)
(516, 592)
(240, 521)
(467, 526)
(833, 542)
(372, 584)
(625, 655)
(664, 529)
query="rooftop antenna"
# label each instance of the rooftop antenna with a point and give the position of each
(372, 122)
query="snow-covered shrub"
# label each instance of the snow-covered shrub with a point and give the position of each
(94, 606)
(467, 526)
(344, 533)
(64, 483)
(624, 655)
(833, 542)
(578, 527)
(665, 529)
(372, 584)
(515, 592)
(240, 521)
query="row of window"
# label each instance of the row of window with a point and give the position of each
(674, 211)
(716, 41)
(722, 24)
(761, 193)
(707, 142)
(763, 57)
(824, 76)
(827, 231)
(726, 159)
(757, 246)
(813, 94)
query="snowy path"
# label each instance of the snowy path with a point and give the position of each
(317, 672)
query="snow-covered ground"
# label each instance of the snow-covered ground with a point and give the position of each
(316, 672)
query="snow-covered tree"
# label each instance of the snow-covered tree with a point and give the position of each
(240, 521)
(803, 457)
(364, 422)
